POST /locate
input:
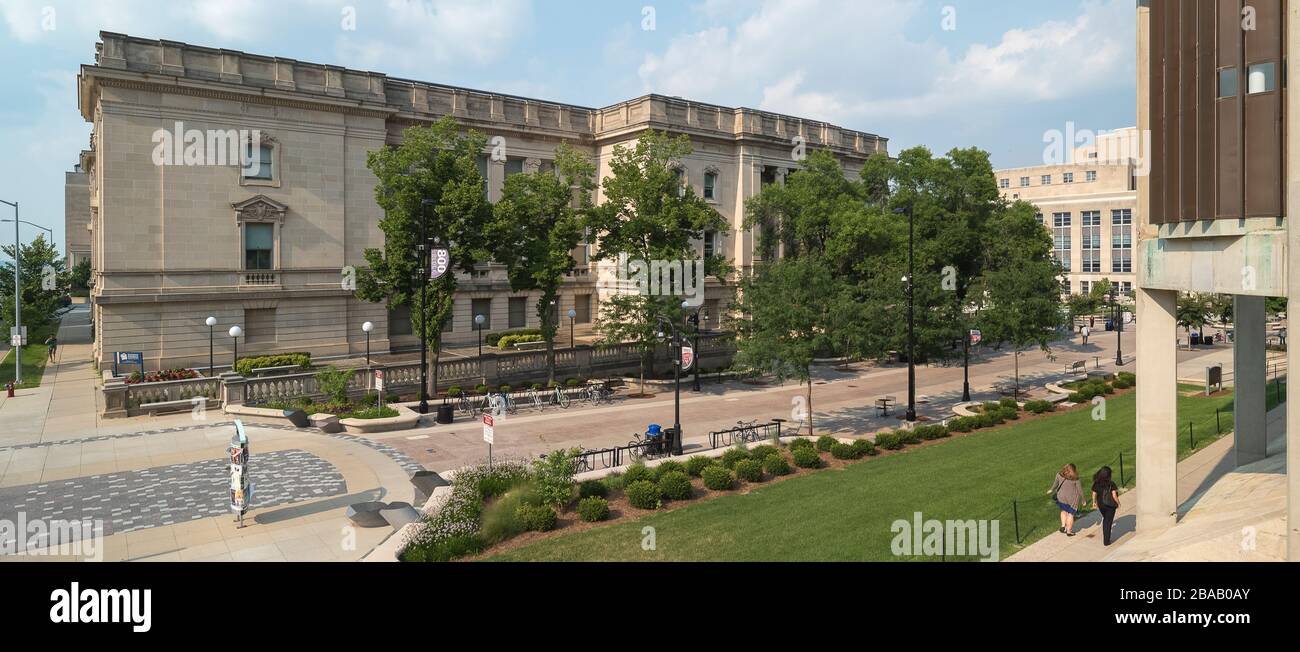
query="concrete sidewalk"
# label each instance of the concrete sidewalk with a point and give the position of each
(66, 399)
(1196, 474)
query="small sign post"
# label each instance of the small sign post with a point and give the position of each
(488, 436)
(1213, 378)
(122, 358)
(379, 388)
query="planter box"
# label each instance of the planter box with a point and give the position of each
(406, 419)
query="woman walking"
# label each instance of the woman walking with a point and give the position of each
(1105, 495)
(1068, 494)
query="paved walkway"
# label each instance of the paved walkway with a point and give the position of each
(1196, 475)
(66, 400)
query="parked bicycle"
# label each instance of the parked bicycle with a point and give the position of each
(534, 399)
(747, 431)
(559, 397)
(500, 403)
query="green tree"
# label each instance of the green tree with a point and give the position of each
(1021, 293)
(430, 184)
(79, 277)
(792, 309)
(648, 214)
(536, 226)
(1191, 311)
(44, 283)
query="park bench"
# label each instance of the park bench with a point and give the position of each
(529, 346)
(178, 405)
(1077, 367)
(282, 369)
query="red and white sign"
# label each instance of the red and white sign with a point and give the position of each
(487, 428)
(439, 262)
(379, 380)
(975, 337)
(688, 357)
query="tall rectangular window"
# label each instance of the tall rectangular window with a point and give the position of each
(1090, 176)
(259, 246)
(482, 163)
(582, 306)
(1024, 182)
(259, 162)
(514, 166)
(710, 185)
(1261, 78)
(1067, 177)
(1061, 239)
(709, 244)
(518, 312)
(481, 307)
(1091, 232)
(1047, 180)
(1227, 82)
(1121, 240)
(1004, 183)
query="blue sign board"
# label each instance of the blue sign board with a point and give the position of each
(128, 358)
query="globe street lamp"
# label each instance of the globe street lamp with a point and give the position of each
(367, 327)
(573, 314)
(211, 322)
(911, 315)
(235, 332)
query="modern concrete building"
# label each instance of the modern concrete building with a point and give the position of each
(1213, 217)
(264, 248)
(1088, 203)
(76, 215)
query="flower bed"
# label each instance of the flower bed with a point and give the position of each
(161, 376)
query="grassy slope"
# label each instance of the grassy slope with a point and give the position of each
(846, 515)
(34, 357)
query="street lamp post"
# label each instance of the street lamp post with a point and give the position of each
(211, 322)
(573, 314)
(422, 269)
(1119, 333)
(694, 321)
(911, 315)
(676, 344)
(18, 297)
(367, 327)
(478, 326)
(235, 332)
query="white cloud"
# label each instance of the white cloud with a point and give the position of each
(409, 35)
(851, 62)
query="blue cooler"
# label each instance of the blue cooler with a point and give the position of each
(654, 431)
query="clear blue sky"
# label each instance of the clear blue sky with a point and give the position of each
(1010, 70)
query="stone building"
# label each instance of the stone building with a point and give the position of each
(1087, 201)
(263, 246)
(76, 215)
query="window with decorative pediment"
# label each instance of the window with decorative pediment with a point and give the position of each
(259, 220)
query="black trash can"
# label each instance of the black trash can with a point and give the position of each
(445, 412)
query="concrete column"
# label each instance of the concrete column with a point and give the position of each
(1292, 181)
(1157, 409)
(1250, 377)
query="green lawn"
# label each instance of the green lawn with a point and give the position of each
(34, 357)
(846, 515)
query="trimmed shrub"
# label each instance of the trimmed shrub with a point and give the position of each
(637, 473)
(806, 457)
(961, 424)
(887, 440)
(1127, 377)
(825, 442)
(864, 447)
(732, 456)
(537, 518)
(776, 464)
(445, 549)
(750, 470)
(572, 382)
(717, 478)
(1010, 414)
(760, 453)
(799, 442)
(504, 389)
(910, 436)
(675, 485)
(643, 494)
(695, 464)
(932, 431)
(592, 488)
(245, 366)
(841, 451)
(454, 391)
(990, 407)
(1009, 402)
(508, 341)
(1039, 407)
(593, 508)
(668, 466)
(1119, 384)
(1077, 397)
(615, 481)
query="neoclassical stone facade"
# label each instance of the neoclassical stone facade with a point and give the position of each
(263, 246)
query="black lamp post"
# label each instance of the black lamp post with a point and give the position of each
(210, 321)
(911, 315)
(694, 321)
(367, 327)
(1119, 333)
(235, 332)
(675, 344)
(573, 314)
(478, 326)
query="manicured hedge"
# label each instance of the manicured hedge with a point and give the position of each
(593, 488)
(749, 470)
(1039, 407)
(675, 485)
(637, 473)
(841, 451)
(538, 518)
(806, 457)
(718, 478)
(776, 464)
(732, 456)
(245, 366)
(643, 494)
(864, 447)
(593, 508)
(826, 442)
(695, 464)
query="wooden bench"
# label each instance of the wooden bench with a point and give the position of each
(1080, 366)
(530, 346)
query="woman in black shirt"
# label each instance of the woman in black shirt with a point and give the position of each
(1105, 495)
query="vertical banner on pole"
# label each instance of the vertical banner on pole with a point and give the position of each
(241, 490)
